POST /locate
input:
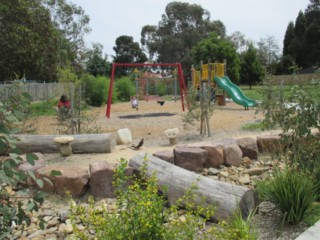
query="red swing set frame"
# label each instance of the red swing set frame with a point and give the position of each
(182, 85)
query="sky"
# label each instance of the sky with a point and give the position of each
(255, 19)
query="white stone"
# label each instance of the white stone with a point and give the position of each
(124, 136)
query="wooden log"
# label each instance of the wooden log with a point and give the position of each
(225, 196)
(83, 143)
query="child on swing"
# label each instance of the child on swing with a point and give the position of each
(134, 103)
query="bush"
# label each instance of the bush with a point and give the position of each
(96, 89)
(14, 211)
(125, 88)
(141, 213)
(292, 192)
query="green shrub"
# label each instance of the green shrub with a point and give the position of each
(125, 88)
(13, 210)
(141, 213)
(236, 228)
(292, 192)
(96, 89)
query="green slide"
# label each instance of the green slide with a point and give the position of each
(235, 92)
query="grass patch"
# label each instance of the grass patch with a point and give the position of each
(313, 214)
(256, 126)
(45, 108)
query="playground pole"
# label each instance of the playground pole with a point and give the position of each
(110, 90)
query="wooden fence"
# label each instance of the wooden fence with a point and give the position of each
(38, 91)
(294, 79)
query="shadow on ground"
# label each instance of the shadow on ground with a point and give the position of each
(160, 114)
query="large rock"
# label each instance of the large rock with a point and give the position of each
(73, 179)
(249, 147)
(269, 143)
(167, 156)
(232, 152)
(215, 153)
(124, 136)
(26, 166)
(190, 158)
(101, 177)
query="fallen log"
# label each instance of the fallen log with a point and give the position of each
(83, 143)
(225, 196)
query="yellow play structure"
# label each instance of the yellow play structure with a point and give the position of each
(207, 73)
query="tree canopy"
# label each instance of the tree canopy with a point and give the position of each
(302, 39)
(28, 41)
(252, 71)
(218, 49)
(128, 51)
(182, 26)
(38, 37)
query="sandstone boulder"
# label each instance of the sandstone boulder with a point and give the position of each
(73, 179)
(167, 156)
(190, 158)
(249, 147)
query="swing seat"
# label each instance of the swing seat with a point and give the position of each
(161, 102)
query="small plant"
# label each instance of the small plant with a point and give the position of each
(236, 228)
(141, 212)
(292, 192)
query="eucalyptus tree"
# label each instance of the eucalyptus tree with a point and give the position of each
(73, 24)
(97, 63)
(269, 53)
(181, 27)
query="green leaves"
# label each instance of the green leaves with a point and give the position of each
(292, 191)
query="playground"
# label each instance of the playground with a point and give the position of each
(152, 119)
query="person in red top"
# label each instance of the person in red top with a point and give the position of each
(64, 107)
(64, 102)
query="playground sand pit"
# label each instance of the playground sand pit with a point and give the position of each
(149, 123)
(152, 119)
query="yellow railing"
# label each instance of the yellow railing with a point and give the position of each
(215, 69)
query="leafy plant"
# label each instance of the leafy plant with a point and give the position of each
(141, 212)
(292, 192)
(13, 211)
(236, 228)
(96, 89)
(125, 88)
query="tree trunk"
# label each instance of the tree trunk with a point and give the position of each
(84, 143)
(225, 196)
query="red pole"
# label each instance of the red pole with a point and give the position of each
(110, 90)
(181, 83)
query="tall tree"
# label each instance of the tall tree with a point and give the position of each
(268, 53)
(28, 41)
(217, 49)
(288, 38)
(128, 51)
(239, 41)
(73, 24)
(312, 34)
(251, 69)
(182, 26)
(97, 63)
